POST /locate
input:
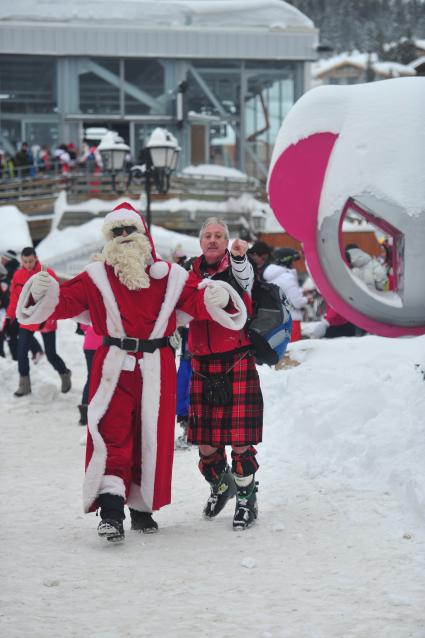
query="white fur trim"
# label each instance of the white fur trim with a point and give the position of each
(111, 371)
(159, 270)
(135, 500)
(122, 217)
(112, 484)
(175, 284)
(97, 273)
(151, 392)
(183, 318)
(83, 317)
(235, 321)
(97, 407)
(42, 309)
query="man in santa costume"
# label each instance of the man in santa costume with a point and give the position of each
(131, 298)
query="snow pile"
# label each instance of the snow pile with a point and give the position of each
(15, 234)
(205, 13)
(380, 133)
(338, 547)
(214, 170)
(63, 245)
(59, 243)
(361, 61)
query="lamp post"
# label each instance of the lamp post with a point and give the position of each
(113, 150)
(160, 157)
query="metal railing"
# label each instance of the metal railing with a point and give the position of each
(82, 184)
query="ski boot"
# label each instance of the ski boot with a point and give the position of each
(112, 514)
(246, 510)
(221, 491)
(143, 522)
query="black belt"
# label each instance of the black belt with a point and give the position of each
(137, 345)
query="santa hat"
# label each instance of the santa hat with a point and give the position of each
(123, 215)
(126, 215)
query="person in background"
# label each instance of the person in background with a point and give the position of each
(10, 262)
(260, 255)
(24, 161)
(8, 166)
(4, 300)
(178, 256)
(63, 159)
(184, 371)
(184, 375)
(31, 266)
(45, 161)
(282, 273)
(388, 262)
(11, 327)
(366, 268)
(91, 343)
(333, 325)
(231, 412)
(90, 158)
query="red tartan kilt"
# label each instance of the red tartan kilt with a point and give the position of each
(240, 422)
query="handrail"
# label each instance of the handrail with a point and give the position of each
(82, 186)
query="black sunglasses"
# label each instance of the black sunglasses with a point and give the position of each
(118, 230)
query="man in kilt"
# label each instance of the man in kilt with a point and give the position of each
(226, 404)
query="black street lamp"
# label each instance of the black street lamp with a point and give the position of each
(113, 150)
(159, 159)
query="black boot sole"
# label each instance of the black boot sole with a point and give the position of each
(146, 530)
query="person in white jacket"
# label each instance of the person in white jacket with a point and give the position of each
(283, 275)
(366, 268)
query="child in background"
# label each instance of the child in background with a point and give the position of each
(91, 343)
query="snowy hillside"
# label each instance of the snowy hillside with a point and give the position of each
(338, 550)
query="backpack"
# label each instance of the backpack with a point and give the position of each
(270, 325)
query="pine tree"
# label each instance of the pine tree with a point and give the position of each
(387, 27)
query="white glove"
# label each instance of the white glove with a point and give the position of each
(216, 296)
(319, 330)
(175, 340)
(39, 285)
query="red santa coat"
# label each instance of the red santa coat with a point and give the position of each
(145, 314)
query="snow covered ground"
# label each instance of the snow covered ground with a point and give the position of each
(338, 550)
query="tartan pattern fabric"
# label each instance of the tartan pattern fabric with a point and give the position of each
(213, 465)
(239, 423)
(245, 464)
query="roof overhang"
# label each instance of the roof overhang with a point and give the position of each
(292, 43)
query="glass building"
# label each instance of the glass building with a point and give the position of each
(221, 75)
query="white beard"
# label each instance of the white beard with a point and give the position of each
(129, 257)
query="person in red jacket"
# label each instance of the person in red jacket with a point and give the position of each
(92, 342)
(226, 406)
(130, 297)
(31, 266)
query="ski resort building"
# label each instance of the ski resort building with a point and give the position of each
(220, 75)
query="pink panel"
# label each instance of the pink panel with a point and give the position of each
(296, 184)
